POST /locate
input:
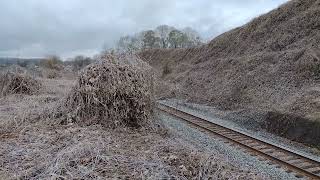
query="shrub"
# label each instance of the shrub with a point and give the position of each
(112, 92)
(52, 62)
(16, 83)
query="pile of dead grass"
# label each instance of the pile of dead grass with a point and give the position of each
(115, 91)
(17, 83)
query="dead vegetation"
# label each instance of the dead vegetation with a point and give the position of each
(51, 73)
(116, 91)
(269, 64)
(264, 64)
(32, 148)
(166, 69)
(17, 111)
(316, 71)
(73, 152)
(303, 131)
(17, 83)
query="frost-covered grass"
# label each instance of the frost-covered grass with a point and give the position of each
(94, 152)
(32, 148)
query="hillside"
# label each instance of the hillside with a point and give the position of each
(271, 64)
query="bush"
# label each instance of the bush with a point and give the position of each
(111, 92)
(16, 83)
(52, 62)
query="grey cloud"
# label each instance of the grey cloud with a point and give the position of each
(41, 27)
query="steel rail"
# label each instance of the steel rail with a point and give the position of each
(303, 167)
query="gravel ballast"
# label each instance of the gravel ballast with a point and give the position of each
(245, 125)
(231, 153)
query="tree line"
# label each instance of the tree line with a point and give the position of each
(163, 36)
(50, 62)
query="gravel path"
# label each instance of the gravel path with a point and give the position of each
(232, 154)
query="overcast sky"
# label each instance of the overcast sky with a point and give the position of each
(36, 28)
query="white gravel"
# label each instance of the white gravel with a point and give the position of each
(232, 154)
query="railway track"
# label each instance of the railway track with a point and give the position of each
(302, 167)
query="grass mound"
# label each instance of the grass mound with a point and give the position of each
(116, 91)
(17, 83)
(273, 62)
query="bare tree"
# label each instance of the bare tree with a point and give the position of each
(164, 31)
(163, 36)
(177, 39)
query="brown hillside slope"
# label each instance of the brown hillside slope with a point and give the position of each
(270, 64)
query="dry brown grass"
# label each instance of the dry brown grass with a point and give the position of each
(19, 110)
(271, 63)
(51, 73)
(112, 92)
(73, 152)
(17, 83)
(33, 148)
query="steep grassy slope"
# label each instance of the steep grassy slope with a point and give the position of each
(271, 64)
